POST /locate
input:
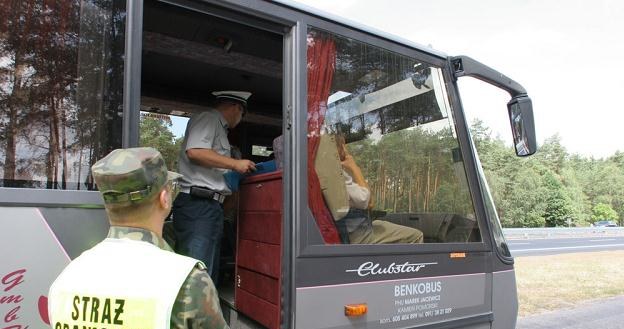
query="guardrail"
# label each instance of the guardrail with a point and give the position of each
(561, 232)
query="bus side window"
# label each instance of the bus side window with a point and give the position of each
(61, 89)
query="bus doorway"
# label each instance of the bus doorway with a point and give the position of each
(187, 54)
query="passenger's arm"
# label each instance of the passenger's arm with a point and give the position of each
(354, 170)
(358, 178)
(210, 158)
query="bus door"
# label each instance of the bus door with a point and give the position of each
(191, 49)
(388, 228)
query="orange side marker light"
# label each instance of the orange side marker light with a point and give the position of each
(457, 255)
(355, 309)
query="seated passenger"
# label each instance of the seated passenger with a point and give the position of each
(358, 224)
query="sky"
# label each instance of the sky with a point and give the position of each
(568, 55)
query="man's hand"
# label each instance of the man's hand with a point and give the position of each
(244, 166)
(349, 164)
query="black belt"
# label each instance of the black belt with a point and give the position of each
(205, 193)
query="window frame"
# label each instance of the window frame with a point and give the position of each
(310, 242)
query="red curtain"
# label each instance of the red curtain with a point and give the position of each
(321, 65)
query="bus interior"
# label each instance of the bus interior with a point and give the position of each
(186, 56)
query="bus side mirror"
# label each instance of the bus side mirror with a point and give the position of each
(522, 125)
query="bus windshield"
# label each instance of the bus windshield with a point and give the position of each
(393, 115)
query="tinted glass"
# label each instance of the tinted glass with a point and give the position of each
(61, 82)
(382, 148)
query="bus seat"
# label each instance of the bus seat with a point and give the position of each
(329, 171)
(332, 181)
(462, 229)
(433, 226)
(278, 151)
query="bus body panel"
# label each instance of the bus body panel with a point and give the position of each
(504, 300)
(36, 245)
(395, 303)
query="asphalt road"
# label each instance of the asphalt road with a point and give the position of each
(535, 247)
(600, 314)
(603, 313)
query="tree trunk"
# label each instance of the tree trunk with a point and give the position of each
(15, 100)
(436, 181)
(428, 186)
(409, 194)
(14, 104)
(396, 195)
(383, 183)
(417, 188)
(63, 145)
(52, 166)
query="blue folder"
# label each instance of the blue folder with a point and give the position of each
(233, 178)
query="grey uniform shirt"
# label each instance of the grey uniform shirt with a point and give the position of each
(206, 130)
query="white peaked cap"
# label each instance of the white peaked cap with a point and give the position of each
(240, 96)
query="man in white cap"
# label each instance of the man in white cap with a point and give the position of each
(204, 158)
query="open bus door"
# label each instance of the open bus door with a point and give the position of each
(396, 110)
(190, 49)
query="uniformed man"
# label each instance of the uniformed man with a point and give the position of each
(133, 279)
(204, 158)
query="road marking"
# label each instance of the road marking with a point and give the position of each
(602, 240)
(517, 243)
(576, 247)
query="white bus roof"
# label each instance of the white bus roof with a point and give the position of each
(359, 26)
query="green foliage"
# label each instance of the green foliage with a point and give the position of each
(603, 211)
(155, 132)
(552, 186)
(423, 179)
(558, 208)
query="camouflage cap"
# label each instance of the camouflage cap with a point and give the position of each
(131, 175)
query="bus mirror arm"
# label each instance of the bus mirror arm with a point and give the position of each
(466, 66)
(520, 107)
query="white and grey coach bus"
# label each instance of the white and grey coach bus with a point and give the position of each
(75, 76)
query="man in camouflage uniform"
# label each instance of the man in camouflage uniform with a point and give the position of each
(134, 266)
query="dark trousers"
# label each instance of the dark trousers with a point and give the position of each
(355, 219)
(198, 226)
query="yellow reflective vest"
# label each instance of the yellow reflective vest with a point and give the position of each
(119, 283)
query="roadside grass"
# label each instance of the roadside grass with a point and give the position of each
(547, 283)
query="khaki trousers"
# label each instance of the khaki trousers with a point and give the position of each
(385, 232)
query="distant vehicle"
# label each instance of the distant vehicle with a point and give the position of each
(605, 223)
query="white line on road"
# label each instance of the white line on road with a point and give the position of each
(517, 243)
(602, 240)
(576, 247)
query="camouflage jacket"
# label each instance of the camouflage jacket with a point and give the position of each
(197, 303)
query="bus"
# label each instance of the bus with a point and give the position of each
(75, 76)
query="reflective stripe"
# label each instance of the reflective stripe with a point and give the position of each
(106, 311)
(120, 283)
